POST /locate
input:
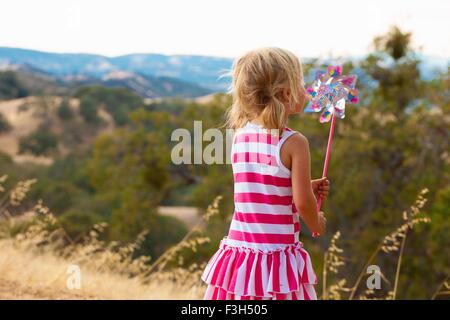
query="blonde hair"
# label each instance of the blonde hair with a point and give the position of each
(259, 78)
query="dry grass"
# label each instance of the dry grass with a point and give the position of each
(34, 263)
(27, 275)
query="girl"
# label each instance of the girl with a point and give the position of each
(262, 258)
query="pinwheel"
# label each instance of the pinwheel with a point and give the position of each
(328, 94)
(330, 91)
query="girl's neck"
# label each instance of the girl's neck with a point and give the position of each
(259, 121)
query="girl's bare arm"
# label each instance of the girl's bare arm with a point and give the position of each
(295, 155)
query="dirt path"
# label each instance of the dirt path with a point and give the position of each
(12, 290)
(189, 215)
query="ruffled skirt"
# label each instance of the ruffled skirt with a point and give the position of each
(235, 273)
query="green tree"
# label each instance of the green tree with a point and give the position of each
(5, 126)
(64, 110)
(88, 110)
(39, 142)
(118, 102)
(384, 153)
(11, 87)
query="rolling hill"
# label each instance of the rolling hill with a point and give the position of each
(189, 73)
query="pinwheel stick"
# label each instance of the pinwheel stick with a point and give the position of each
(327, 156)
(325, 166)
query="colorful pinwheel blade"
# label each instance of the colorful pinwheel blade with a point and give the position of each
(353, 96)
(313, 106)
(330, 91)
(326, 116)
(339, 109)
(348, 81)
(340, 105)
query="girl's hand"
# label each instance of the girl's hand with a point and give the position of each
(321, 187)
(322, 223)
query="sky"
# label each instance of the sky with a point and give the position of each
(225, 28)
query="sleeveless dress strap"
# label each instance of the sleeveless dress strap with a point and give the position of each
(286, 134)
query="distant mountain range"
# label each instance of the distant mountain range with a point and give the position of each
(150, 75)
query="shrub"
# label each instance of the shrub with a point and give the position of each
(38, 143)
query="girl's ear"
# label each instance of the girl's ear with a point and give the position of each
(286, 94)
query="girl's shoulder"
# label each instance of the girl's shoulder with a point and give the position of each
(294, 140)
(295, 146)
(288, 132)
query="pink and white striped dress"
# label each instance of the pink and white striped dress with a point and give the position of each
(261, 258)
